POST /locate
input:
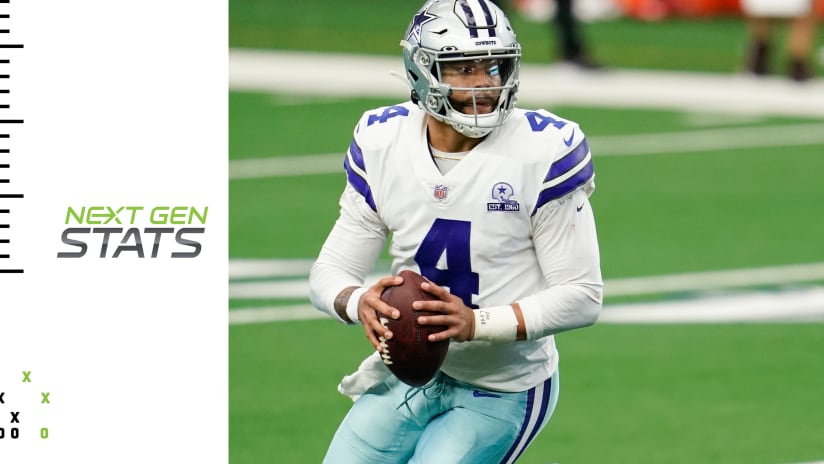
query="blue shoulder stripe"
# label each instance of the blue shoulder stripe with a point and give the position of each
(566, 175)
(569, 161)
(355, 175)
(357, 154)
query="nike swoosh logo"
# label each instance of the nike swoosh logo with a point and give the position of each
(480, 394)
(579, 208)
(568, 141)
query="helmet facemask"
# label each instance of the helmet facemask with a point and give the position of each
(475, 110)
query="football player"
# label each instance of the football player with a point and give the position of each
(491, 204)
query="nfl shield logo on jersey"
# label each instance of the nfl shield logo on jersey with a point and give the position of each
(440, 192)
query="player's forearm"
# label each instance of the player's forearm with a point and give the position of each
(342, 301)
(566, 244)
(348, 254)
(499, 323)
(331, 291)
(347, 303)
(554, 310)
(561, 308)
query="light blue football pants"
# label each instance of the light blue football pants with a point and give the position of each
(444, 422)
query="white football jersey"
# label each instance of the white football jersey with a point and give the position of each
(508, 224)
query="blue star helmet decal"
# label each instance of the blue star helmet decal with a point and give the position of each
(413, 33)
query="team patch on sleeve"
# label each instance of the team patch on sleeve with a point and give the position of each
(356, 173)
(566, 174)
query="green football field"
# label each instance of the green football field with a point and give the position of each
(631, 392)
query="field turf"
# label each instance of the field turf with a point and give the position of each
(659, 393)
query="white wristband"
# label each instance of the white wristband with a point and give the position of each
(495, 324)
(353, 303)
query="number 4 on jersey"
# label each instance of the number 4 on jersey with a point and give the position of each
(387, 114)
(450, 237)
(538, 121)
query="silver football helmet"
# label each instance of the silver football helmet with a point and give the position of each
(450, 32)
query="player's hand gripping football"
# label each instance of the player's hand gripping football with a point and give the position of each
(370, 303)
(458, 319)
(454, 314)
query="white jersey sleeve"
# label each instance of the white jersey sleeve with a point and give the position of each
(564, 236)
(355, 242)
(566, 245)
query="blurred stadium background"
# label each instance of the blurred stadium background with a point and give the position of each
(710, 207)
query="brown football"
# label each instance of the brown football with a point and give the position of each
(409, 354)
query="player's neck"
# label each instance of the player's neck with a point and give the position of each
(445, 138)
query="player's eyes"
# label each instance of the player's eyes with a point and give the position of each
(491, 69)
(458, 69)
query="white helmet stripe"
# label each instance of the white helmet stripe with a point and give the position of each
(476, 15)
(488, 17)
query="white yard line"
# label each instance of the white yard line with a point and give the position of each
(255, 268)
(708, 140)
(275, 314)
(805, 305)
(615, 145)
(284, 166)
(714, 280)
